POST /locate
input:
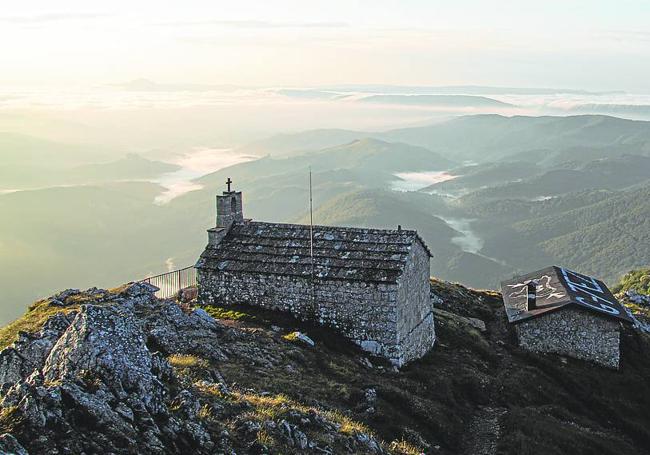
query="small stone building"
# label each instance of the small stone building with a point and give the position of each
(555, 310)
(371, 285)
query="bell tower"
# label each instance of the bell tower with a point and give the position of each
(229, 207)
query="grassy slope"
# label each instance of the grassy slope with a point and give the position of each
(552, 405)
(637, 280)
(547, 404)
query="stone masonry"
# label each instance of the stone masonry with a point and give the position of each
(371, 285)
(558, 311)
(573, 332)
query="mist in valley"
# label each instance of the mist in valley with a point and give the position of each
(104, 195)
(511, 138)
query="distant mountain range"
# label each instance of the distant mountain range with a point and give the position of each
(436, 100)
(483, 138)
(520, 193)
(321, 91)
(613, 109)
(46, 166)
(458, 90)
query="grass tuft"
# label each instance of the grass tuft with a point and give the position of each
(267, 407)
(182, 361)
(218, 312)
(403, 447)
(32, 321)
(212, 390)
(264, 438)
(293, 336)
(8, 418)
(347, 425)
(205, 413)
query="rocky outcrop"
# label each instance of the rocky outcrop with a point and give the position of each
(90, 382)
(9, 445)
(29, 352)
(124, 373)
(637, 298)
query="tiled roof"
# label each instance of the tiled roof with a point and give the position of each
(372, 255)
(557, 288)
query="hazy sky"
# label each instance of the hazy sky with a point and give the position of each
(589, 44)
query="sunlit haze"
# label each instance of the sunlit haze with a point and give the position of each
(325, 227)
(595, 45)
(121, 120)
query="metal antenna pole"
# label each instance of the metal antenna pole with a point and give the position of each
(311, 242)
(311, 223)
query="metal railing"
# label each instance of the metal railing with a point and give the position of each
(170, 283)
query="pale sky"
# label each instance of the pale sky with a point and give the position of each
(588, 44)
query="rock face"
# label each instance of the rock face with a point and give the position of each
(124, 373)
(29, 352)
(9, 445)
(639, 299)
(89, 382)
(127, 373)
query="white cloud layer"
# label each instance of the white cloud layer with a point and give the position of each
(593, 44)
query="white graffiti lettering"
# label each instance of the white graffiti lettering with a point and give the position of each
(586, 285)
(602, 307)
(544, 289)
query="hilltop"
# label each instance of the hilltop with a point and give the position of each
(121, 371)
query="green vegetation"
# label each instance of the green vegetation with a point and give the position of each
(264, 408)
(8, 418)
(404, 447)
(219, 312)
(293, 337)
(181, 361)
(32, 321)
(434, 399)
(637, 280)
(594, 168)
(39, 312)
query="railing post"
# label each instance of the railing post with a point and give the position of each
(166, 281)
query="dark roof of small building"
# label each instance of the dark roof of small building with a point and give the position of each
(558, 288)
(355, 254)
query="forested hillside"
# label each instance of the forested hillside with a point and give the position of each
(571, 191)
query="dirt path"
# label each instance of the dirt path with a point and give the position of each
(484, 429)
(483, 432)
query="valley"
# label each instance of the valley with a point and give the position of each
(492, 196)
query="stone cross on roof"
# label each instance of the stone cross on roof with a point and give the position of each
(229, 182)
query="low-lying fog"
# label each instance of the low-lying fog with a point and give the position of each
(138, 116)
(195, 164)
(413, 181)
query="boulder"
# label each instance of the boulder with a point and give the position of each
(9, 445)
(29, 352)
